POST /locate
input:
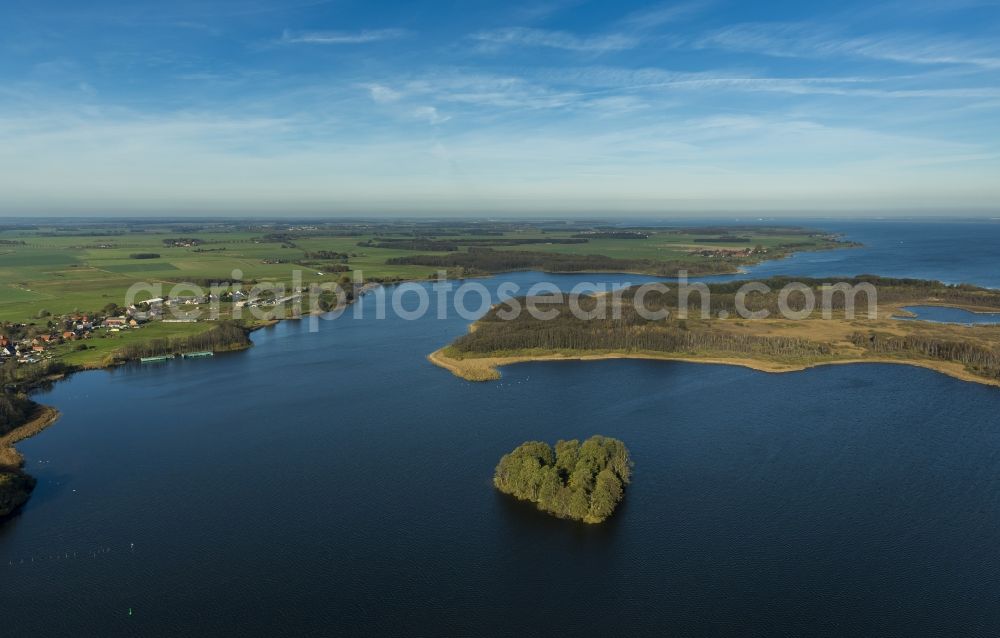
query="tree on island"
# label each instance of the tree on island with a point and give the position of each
(584, 482)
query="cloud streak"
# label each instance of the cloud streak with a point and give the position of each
(341, 37)
(524, 37)
(658, 15)
(799, 40)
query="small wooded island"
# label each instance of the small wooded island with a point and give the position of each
(584, 482)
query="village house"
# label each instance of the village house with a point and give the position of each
(114, 322)
(187, 301)
(80, 322)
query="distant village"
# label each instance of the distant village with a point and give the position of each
(717, 253)
(32, 343)
(37, 342)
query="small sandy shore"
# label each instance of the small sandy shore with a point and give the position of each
(487, 368)
(43, 417)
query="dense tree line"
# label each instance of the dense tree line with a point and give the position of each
(325, 265)
(486, 260)
(744, 228)
(219, 282)
(623, 328)
(411, 244)
(567, 332)
(722, 296)
(981, 359)
(144, 256)
(454, 244)
(21, 377)
(15, 408)
(523, 241)
(613, 234)
(584, 482)
(15, 487)
(228, 335)
(327, 255)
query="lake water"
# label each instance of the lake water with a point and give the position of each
(336, 483)
(942, 314)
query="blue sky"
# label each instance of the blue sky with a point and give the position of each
(567, 106)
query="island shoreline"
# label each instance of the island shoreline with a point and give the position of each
(482, 369)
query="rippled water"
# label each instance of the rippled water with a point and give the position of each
(336, 483)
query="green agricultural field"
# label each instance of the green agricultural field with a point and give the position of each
(83, 268)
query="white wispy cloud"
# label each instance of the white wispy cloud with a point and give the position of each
(341, 37)
(586, 82)
(429, 114)
(484, 90)
(251, 164)
(220, 161)
(382, 94)
(660, 14)
(525, 37)
(797, 40)
(609, 92)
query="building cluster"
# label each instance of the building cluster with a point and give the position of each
(32, 343)
(32, 346)
(728, 252)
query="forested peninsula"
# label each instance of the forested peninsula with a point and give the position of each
(718, 334)
(583, 482)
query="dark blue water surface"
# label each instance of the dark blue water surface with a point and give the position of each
(952, 252)
(336, 483)
(941, 314)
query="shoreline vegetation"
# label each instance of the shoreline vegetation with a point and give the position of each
(583, 482)
(778, 345)
(15, 484)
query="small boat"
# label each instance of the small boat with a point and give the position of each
(154, 359)
(195, 355)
